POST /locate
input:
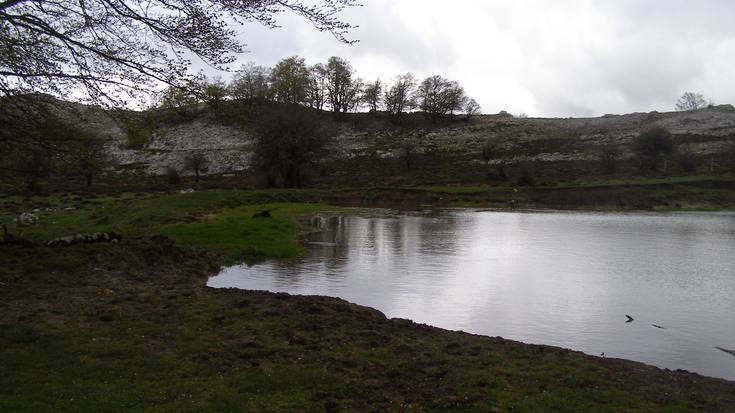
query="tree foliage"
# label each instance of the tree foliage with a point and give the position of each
(119, 48)
(36, 143)
(438, 97)
(290, 81)
(651, 146)
(342, 87)
(215, 92)
(286, 141)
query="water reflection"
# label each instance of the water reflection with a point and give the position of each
(564, 279)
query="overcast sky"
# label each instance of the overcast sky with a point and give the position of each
(539, 57)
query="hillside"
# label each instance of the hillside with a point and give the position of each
(368, 150)
(557, 149)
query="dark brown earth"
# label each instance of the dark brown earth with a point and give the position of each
(148, 299)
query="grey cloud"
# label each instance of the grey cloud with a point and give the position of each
(572, 57)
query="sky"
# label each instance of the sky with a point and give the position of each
(552, 58)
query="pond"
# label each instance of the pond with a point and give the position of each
(559, 278)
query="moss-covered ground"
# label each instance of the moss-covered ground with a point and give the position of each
(132, 327)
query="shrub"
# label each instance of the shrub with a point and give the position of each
(651, 146)
(196, 162)
(609, 155)
(525, 176)
(688, 162)
(172, 176)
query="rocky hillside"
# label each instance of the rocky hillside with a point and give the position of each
(707, 133)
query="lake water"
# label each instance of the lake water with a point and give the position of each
(563, 279)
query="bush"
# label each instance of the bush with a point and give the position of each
(526, 176)
(196, 162)
(286, 141)
(172, 176)
(609, 155)
(688, 162)
(651, 146)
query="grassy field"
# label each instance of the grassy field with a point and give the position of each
(132, 327)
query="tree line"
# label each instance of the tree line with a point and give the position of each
(332, 85)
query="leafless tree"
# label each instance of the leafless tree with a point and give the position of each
(251, 82)
(317, 90)
(472, 108)
(691, 101)
(114, 49)
(399, 97)
(372, 95)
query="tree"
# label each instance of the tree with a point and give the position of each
(37, 141)
(215, 92)
(438, 97)
(290, 81)
(112, 49)
(86, 155)
(651, 145)
(472, 108)
(317, 90)
(33, 164)
(399, 97)
(342, 88)
(372, 95)
(251, 82)
(182, 101)
(691, 101)
(196, 162)
(286, 140)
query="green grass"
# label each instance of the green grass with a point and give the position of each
(217, 220)
(76, 374)
(686, 179)
(229, 232)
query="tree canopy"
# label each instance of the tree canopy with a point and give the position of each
(112, 49)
